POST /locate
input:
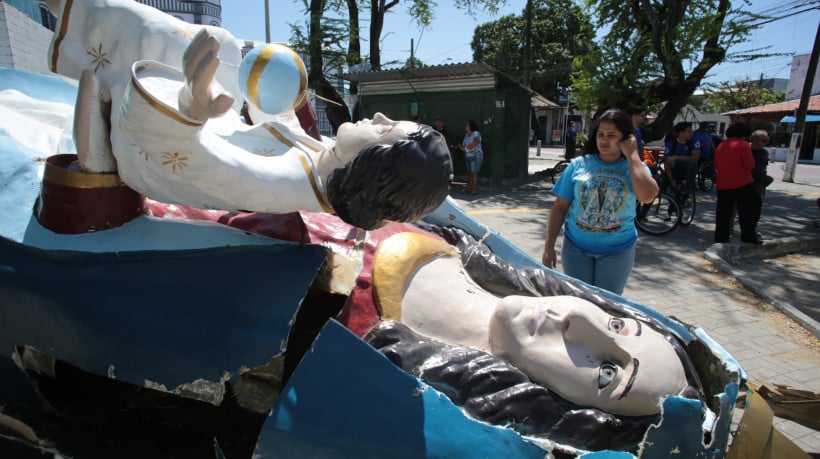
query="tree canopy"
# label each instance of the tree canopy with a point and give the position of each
(333, 24)
(559, 31)
(727, 96)
(656, 53)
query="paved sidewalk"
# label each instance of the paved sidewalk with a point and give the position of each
(672, 275)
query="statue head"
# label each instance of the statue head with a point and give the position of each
(587, 355)
(589, 350)
(401, 172)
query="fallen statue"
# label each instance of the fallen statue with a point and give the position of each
(189, 284)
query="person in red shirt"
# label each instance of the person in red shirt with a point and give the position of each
(735, 186)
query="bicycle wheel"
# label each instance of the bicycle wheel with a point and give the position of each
(659, 217)
(687, 205)
(706, 177)
(558, 169)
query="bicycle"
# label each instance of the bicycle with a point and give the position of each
(685, 199)
(663, 214)
(659, 217)
(706, 175)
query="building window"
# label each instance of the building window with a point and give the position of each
(47, 19)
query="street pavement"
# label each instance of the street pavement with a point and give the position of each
(672, 275)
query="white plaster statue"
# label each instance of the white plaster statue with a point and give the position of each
(569, 345)
(177, 137)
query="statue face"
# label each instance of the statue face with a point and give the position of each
(586, 355)
(354, 137)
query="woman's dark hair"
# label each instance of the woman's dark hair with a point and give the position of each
(635, 110)
(622, 121)
(682, 126)
(400, 182)
(738, 130)
(473, 125)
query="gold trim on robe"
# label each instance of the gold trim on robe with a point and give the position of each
(305, 165)
(396, 261)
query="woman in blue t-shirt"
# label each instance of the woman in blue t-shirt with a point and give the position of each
(473, 153)
(596, 205)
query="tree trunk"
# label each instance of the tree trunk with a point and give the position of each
(354, 46)
(527, 43)
(378, 8)
(676, 87)
(336, 114)
(376, 25)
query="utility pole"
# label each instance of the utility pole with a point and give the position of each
(412, 62)
(267, 21)
(800, 121)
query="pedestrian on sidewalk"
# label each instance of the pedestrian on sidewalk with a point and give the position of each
(473, 154)
(596, 203)
(638, 115)
(736, 186)
(758, 142)
(570, 141)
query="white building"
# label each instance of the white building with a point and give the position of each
(25, 34)
(205, 12)
(800, 65)
(26, 27)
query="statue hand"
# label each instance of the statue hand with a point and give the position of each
(203, 97)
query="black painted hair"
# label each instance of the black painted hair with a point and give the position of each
(501, 278)
(622, 121)
(400, 182)
(738, 130)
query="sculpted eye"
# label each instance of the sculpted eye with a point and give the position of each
(616, 325)
(606, 374)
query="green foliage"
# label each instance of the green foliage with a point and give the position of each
(657, 52)
(726, 96)
(333, 36)
(413, 62)
(560, 30)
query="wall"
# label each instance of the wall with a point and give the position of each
(800, 65)
(23, 41)
(454, 107)
(502, 116)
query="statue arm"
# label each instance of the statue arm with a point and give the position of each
(202, 97)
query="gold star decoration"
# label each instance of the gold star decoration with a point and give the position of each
(98, 57)
(187, 33)
(175, 160)
(264, 151)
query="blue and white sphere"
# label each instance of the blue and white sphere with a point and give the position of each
(272, 78)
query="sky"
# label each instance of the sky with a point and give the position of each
(447, 40)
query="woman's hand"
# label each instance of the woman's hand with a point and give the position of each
(629, 146)
(548, 258)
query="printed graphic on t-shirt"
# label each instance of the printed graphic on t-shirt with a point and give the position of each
(601, 198)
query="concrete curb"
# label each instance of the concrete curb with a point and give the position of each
(723, 255)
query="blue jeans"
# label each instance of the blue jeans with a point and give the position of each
(608, 272)
(474, 163)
